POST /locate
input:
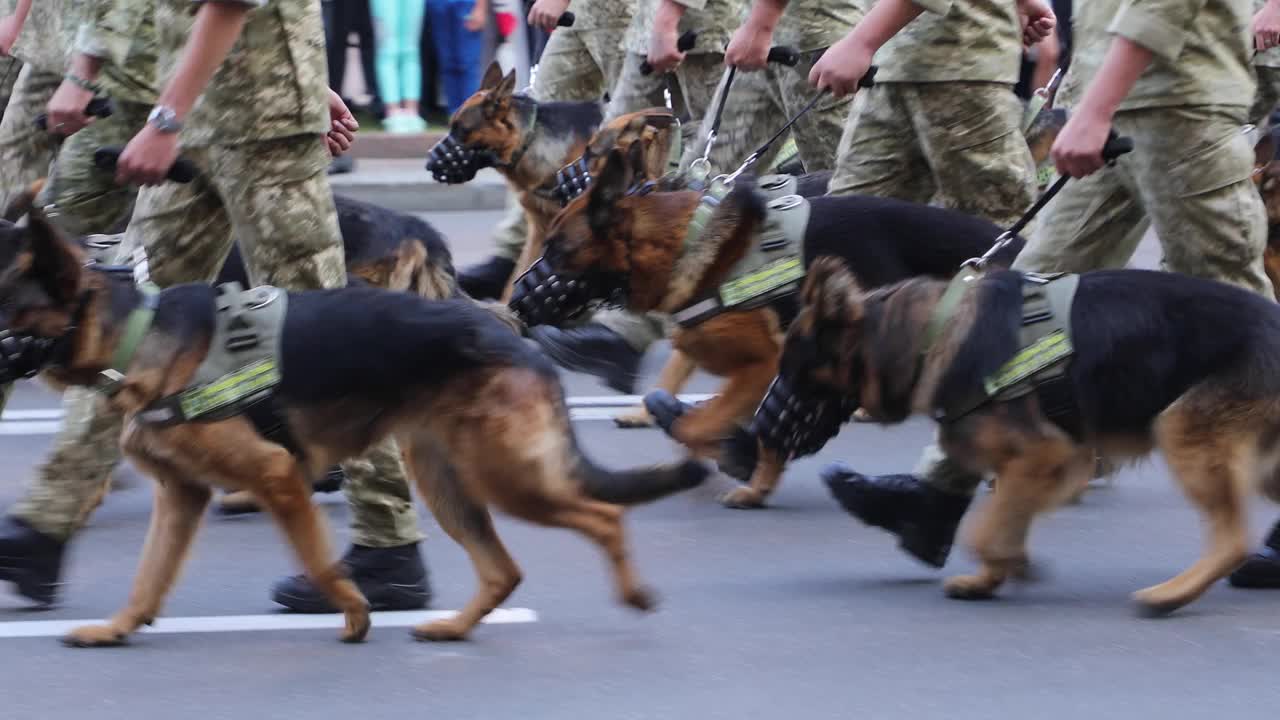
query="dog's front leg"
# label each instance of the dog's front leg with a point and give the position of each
(764, 480)
(177, 510)
(675, 373)
(704, 427)
(529, 254)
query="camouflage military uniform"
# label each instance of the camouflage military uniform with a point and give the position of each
(42, 46)
(578, 63)
(760, 102)
(942, 124)
(1189, 171)
(1267, 67)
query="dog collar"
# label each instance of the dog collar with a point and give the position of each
(135, 328)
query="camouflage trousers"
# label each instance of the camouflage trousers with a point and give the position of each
(957, 145)
(274, 199)
(25, 151)
(1189, 176)
(1268, 95)
(759, 104)
(84, 199)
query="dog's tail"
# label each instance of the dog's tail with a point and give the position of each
(640, 485)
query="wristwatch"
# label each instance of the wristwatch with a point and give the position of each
(164, 119)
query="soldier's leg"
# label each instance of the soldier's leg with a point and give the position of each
(634, 91)
(9, 68)
(86, 200)
(879, 152)
(818, 133)
(289, 237)
(25, 151)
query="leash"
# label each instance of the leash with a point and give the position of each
(1112, 150)
(866, 81)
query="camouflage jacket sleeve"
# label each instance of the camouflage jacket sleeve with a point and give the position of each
(1157, 25)
(938, 7)
(108, 27)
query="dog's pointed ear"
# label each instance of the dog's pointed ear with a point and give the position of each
(831, 292)
(492, 76)
(22, 203)
(55, 261)
(607, 190)
(636, 159)
(603, 141)
(507, 86)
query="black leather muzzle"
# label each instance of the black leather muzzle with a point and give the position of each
(798, 421)
(542, 296)
(452, 163)
(23, 356)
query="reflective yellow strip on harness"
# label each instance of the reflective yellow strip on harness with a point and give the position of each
(761, 282)
(1030, 360)
(230, 389)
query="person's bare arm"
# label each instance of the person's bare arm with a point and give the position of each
(11, 26)
(749, 47)
(1078, 150)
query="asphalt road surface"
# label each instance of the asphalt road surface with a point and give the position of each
(793, 611)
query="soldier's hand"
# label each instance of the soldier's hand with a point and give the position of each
(9, 29)
(66, 109)
(749, 47)
(343, 126)
(1078, 150)
(841, 67)
(1266, 27)
(147, 158)
(1037, 21)
(545, 14)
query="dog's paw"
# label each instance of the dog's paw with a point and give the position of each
(441, 631)
(94, 636)
(641, 598)
(743, 497)
(357, 626)
(637, 418)
(1151, 603)
(969, 587)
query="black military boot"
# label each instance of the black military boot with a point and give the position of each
(1262, 569)
(593, 349)
(487, 280)
(924, 518)
(393, 578)
(30, 560)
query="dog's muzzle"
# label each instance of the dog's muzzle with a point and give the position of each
(541, 296)
(23, 356)
(798, 421)
(452, 163)
(571, 181)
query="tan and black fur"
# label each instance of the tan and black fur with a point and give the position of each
(1162, 361)
(479, 416)
(498, 120)
(640, 237)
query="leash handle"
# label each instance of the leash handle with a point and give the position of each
(105, 159)
(1114, 148)
(684, 44)
(98, 107)
(566, 19)
(784, 55)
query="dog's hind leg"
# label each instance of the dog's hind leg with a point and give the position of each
(468, 522)
(176, 513)
(675, 373)
(602, 523)
(1217, 467)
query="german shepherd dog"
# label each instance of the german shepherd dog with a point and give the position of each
(479, 416)
(627, 247)
(1266, 176)
(1161, 361)
(528, 141)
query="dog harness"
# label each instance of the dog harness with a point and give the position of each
(774, 264)
(1045, 350)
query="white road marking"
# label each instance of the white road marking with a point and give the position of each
(262, 623)
(581, 408)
